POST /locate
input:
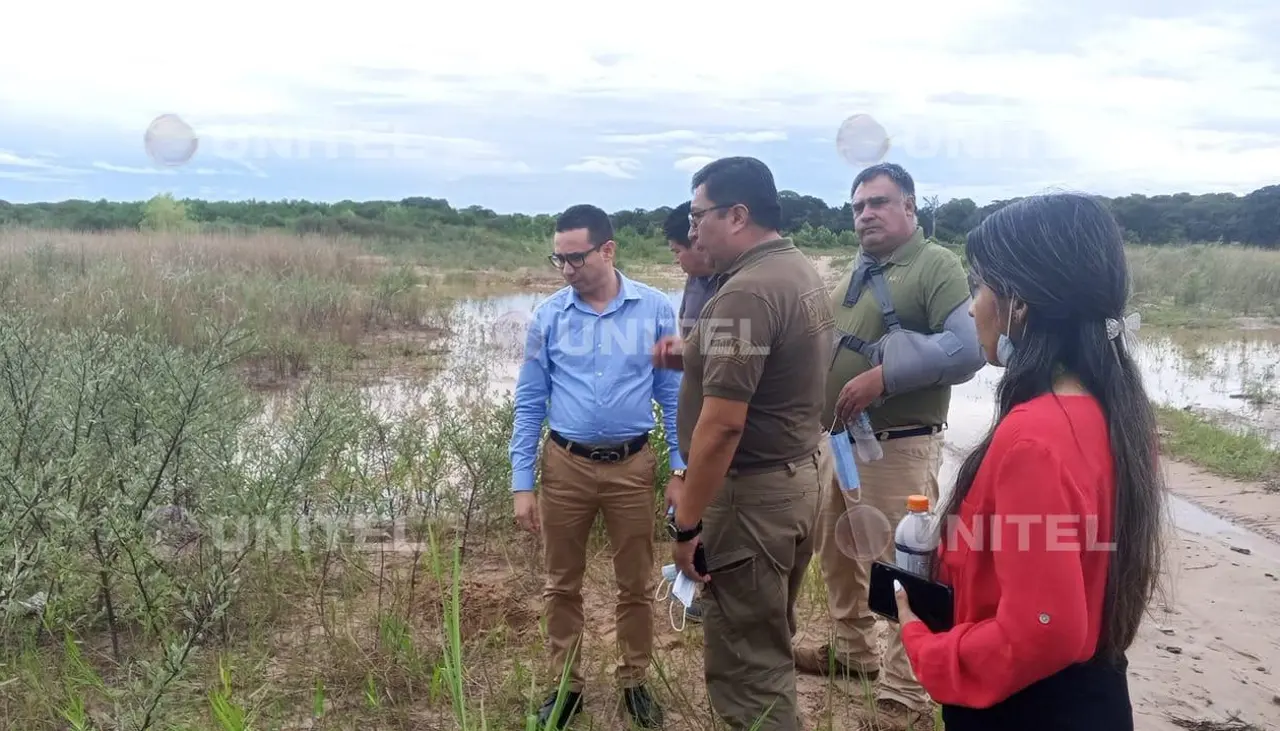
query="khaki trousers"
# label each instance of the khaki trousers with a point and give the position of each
(574, 490)
(758, 533)
(909, 467)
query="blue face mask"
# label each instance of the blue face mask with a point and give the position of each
(1004, 345)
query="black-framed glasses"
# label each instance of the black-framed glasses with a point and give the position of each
(576, 259)
(696, 216)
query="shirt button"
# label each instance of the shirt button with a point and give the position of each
(1044, 618)
(598, 373)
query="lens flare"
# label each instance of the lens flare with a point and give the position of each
(863, 533)
(862, 141)
(170, 141)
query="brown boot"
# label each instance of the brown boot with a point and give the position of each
(823, 661)
(890, 715)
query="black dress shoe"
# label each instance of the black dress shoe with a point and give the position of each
(644, 710)
(570, 706)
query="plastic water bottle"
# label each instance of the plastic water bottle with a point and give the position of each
(846, 466)
(914, 539)
(869, 449)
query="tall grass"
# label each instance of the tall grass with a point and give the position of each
(300, 297)
(1207, 279)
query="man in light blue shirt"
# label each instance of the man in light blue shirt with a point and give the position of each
(588, 373)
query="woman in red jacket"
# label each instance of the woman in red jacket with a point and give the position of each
(1051, 537)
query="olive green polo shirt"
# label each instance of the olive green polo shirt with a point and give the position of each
(926, 282)
(764, 337)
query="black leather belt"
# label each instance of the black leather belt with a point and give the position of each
(914, 431)
(596, 453)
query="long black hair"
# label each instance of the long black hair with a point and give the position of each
(1063, 256)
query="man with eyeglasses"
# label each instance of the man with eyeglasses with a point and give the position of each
(588, 374)
(750, 430)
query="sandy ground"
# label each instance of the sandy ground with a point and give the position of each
(1212, 650)
(1209, 652)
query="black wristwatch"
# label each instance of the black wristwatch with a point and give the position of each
(682, 536)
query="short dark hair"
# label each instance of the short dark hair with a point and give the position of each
(893, 171)
(745, 181)
(592, 218)
(676, 227)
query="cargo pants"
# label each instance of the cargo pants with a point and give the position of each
(758, 534)
(910, 466)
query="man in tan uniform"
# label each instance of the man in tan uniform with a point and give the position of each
(749, 423)
(897, 363)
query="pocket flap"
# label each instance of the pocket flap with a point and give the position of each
(729, 560)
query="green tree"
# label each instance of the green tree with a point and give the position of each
(163, 213)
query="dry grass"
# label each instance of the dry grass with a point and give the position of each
(302, 298)
(1231, 724)
(1182, 284)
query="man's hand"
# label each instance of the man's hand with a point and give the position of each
(674, 491)
(860, 392)
(682, 556)
(668, 353)
(527, 511)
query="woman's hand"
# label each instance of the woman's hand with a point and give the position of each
(904, 609)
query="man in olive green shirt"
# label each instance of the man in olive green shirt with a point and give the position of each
(898, 365)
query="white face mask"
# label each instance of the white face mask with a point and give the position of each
(680, 588)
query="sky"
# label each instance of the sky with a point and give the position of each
(523, 107)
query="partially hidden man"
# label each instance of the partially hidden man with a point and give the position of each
(905, 338)
(588, 373)
(750, 430)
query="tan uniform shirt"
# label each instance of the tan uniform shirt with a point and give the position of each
(765, 338)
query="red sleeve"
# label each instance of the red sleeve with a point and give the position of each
(1038, 570)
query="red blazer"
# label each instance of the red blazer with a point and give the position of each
(1027, 557)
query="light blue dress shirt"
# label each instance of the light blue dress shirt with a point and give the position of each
(591, 375)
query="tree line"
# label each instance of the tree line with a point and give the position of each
(1252, 219)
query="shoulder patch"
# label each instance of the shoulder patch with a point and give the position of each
(816, 306)
(732, 349)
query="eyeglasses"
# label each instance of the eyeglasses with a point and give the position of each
(696, 216)
(576, 259)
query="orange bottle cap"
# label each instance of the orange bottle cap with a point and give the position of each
(918, 503)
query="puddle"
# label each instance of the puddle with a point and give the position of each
(1207, 375)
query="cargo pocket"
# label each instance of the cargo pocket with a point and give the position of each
(739, 584)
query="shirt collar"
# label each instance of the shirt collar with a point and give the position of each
(627, 290)
(756, 252)
(901, 256)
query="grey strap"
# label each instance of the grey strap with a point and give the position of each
(867, 269)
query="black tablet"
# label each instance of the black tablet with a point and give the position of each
(931, 601)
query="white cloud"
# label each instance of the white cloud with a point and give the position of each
(1088, 111)
(688, 135)
(613, 167)
(34, 169)
(130, 170)
(693, 163)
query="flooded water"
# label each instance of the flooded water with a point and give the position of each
(1231, 376)
(1228, 376)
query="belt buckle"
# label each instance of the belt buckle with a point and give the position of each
(604, 455)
